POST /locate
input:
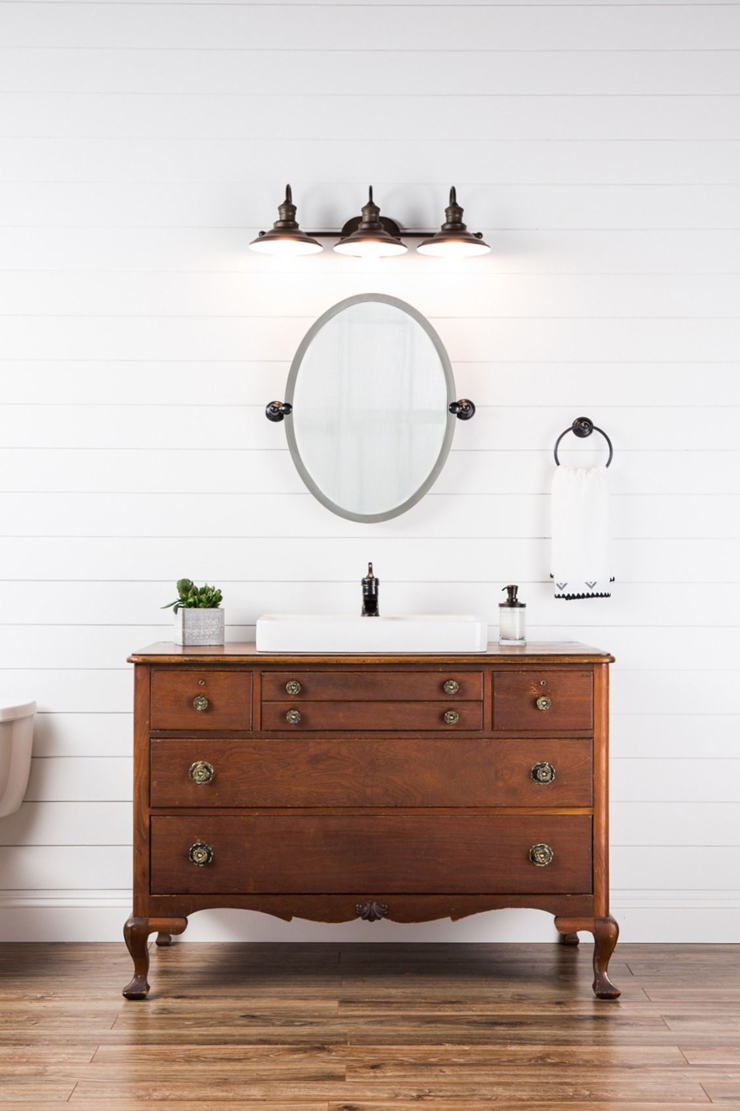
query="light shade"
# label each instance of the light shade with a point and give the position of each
(285, 237)
(370, 235)
(453, 240)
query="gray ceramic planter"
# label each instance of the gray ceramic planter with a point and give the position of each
(199, 626)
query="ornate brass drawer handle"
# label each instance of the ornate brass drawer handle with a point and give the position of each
(293, 717)
(543, 773)
(293, 686)
(451, 717)
(200, 854)
(201, 772)
(543, 702)
(200, 702)
(541, 855)
(451, 686)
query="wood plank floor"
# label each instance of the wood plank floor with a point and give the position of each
(363, 1027)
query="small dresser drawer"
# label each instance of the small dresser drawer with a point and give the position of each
(318, 772)
(371, 686)
(411, 853)
(185, 699)
(542, 701)
(349, 717)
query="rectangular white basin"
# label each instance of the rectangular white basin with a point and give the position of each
(317, 634)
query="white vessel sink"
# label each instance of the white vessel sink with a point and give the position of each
(316, 634)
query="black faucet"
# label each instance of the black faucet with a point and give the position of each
(370, 589)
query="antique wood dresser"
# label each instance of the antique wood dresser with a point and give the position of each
(401, 787)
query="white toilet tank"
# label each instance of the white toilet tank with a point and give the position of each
(16, 742)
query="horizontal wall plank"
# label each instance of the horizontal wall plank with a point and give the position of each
(300, 514)
(117, 604)
(68, 823)
(632, 823)
(353, 71)
(219, 426)
(214, 160)
(68, 691)
(107, 646)
(95, 779)
(676, 781)
(38, 868)
(500, 205)
(449, 559)
(641, 780)
(675, 692)
(229, 27)
(674, 823)
(271, 471)
(658, 737)
(85, 734)
(668, 735)
(532, 340)
(218, 250)
(277, 294)
(332, 117)
(114, 381)
(106, 867)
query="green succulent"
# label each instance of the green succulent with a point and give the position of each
(195, 597)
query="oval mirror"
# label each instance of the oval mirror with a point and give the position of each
(370, 387)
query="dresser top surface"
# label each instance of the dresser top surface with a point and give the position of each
(238, 652)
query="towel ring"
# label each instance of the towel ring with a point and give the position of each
(583, 427)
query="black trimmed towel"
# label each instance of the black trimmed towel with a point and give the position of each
(581, 548)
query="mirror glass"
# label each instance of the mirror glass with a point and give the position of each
(370, 387)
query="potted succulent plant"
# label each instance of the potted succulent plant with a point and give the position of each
(198, 619)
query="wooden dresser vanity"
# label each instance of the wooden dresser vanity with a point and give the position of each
(401, 787)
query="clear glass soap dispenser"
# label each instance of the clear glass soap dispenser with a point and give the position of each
(511, 618)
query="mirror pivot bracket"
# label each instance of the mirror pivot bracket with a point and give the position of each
(462, 409)
(278, 410)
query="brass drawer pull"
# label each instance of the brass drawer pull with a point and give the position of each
(293, 717)
(200, 854)
(200, 702)
(293, 686)
(541, 855)
(451, 686)
(543, 702)
(201, 772)
(543, 773)
(451, 717)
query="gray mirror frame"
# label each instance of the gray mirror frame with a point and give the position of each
(371, 518)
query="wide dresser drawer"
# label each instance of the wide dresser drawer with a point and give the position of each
(371, 853)
(371, 686)
(542, 701)
(201, 699)
(305, 772)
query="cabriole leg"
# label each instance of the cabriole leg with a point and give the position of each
(136, 935)
(606, 932)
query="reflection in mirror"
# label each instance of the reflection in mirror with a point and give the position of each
(370, 388)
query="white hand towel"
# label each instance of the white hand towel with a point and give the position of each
(581, 555)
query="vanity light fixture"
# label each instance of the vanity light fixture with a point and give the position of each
(370, 235)
(286, 237)
(453, 240)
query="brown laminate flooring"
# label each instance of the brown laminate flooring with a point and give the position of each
(364, 1027)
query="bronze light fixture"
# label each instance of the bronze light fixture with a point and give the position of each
(286, 237)
(453, 240)
(371, 235)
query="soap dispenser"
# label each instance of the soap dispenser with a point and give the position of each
(511, 618)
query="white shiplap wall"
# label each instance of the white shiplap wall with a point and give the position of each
(141, 147)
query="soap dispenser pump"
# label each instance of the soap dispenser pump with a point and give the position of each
(370, 589)
(511, 618)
